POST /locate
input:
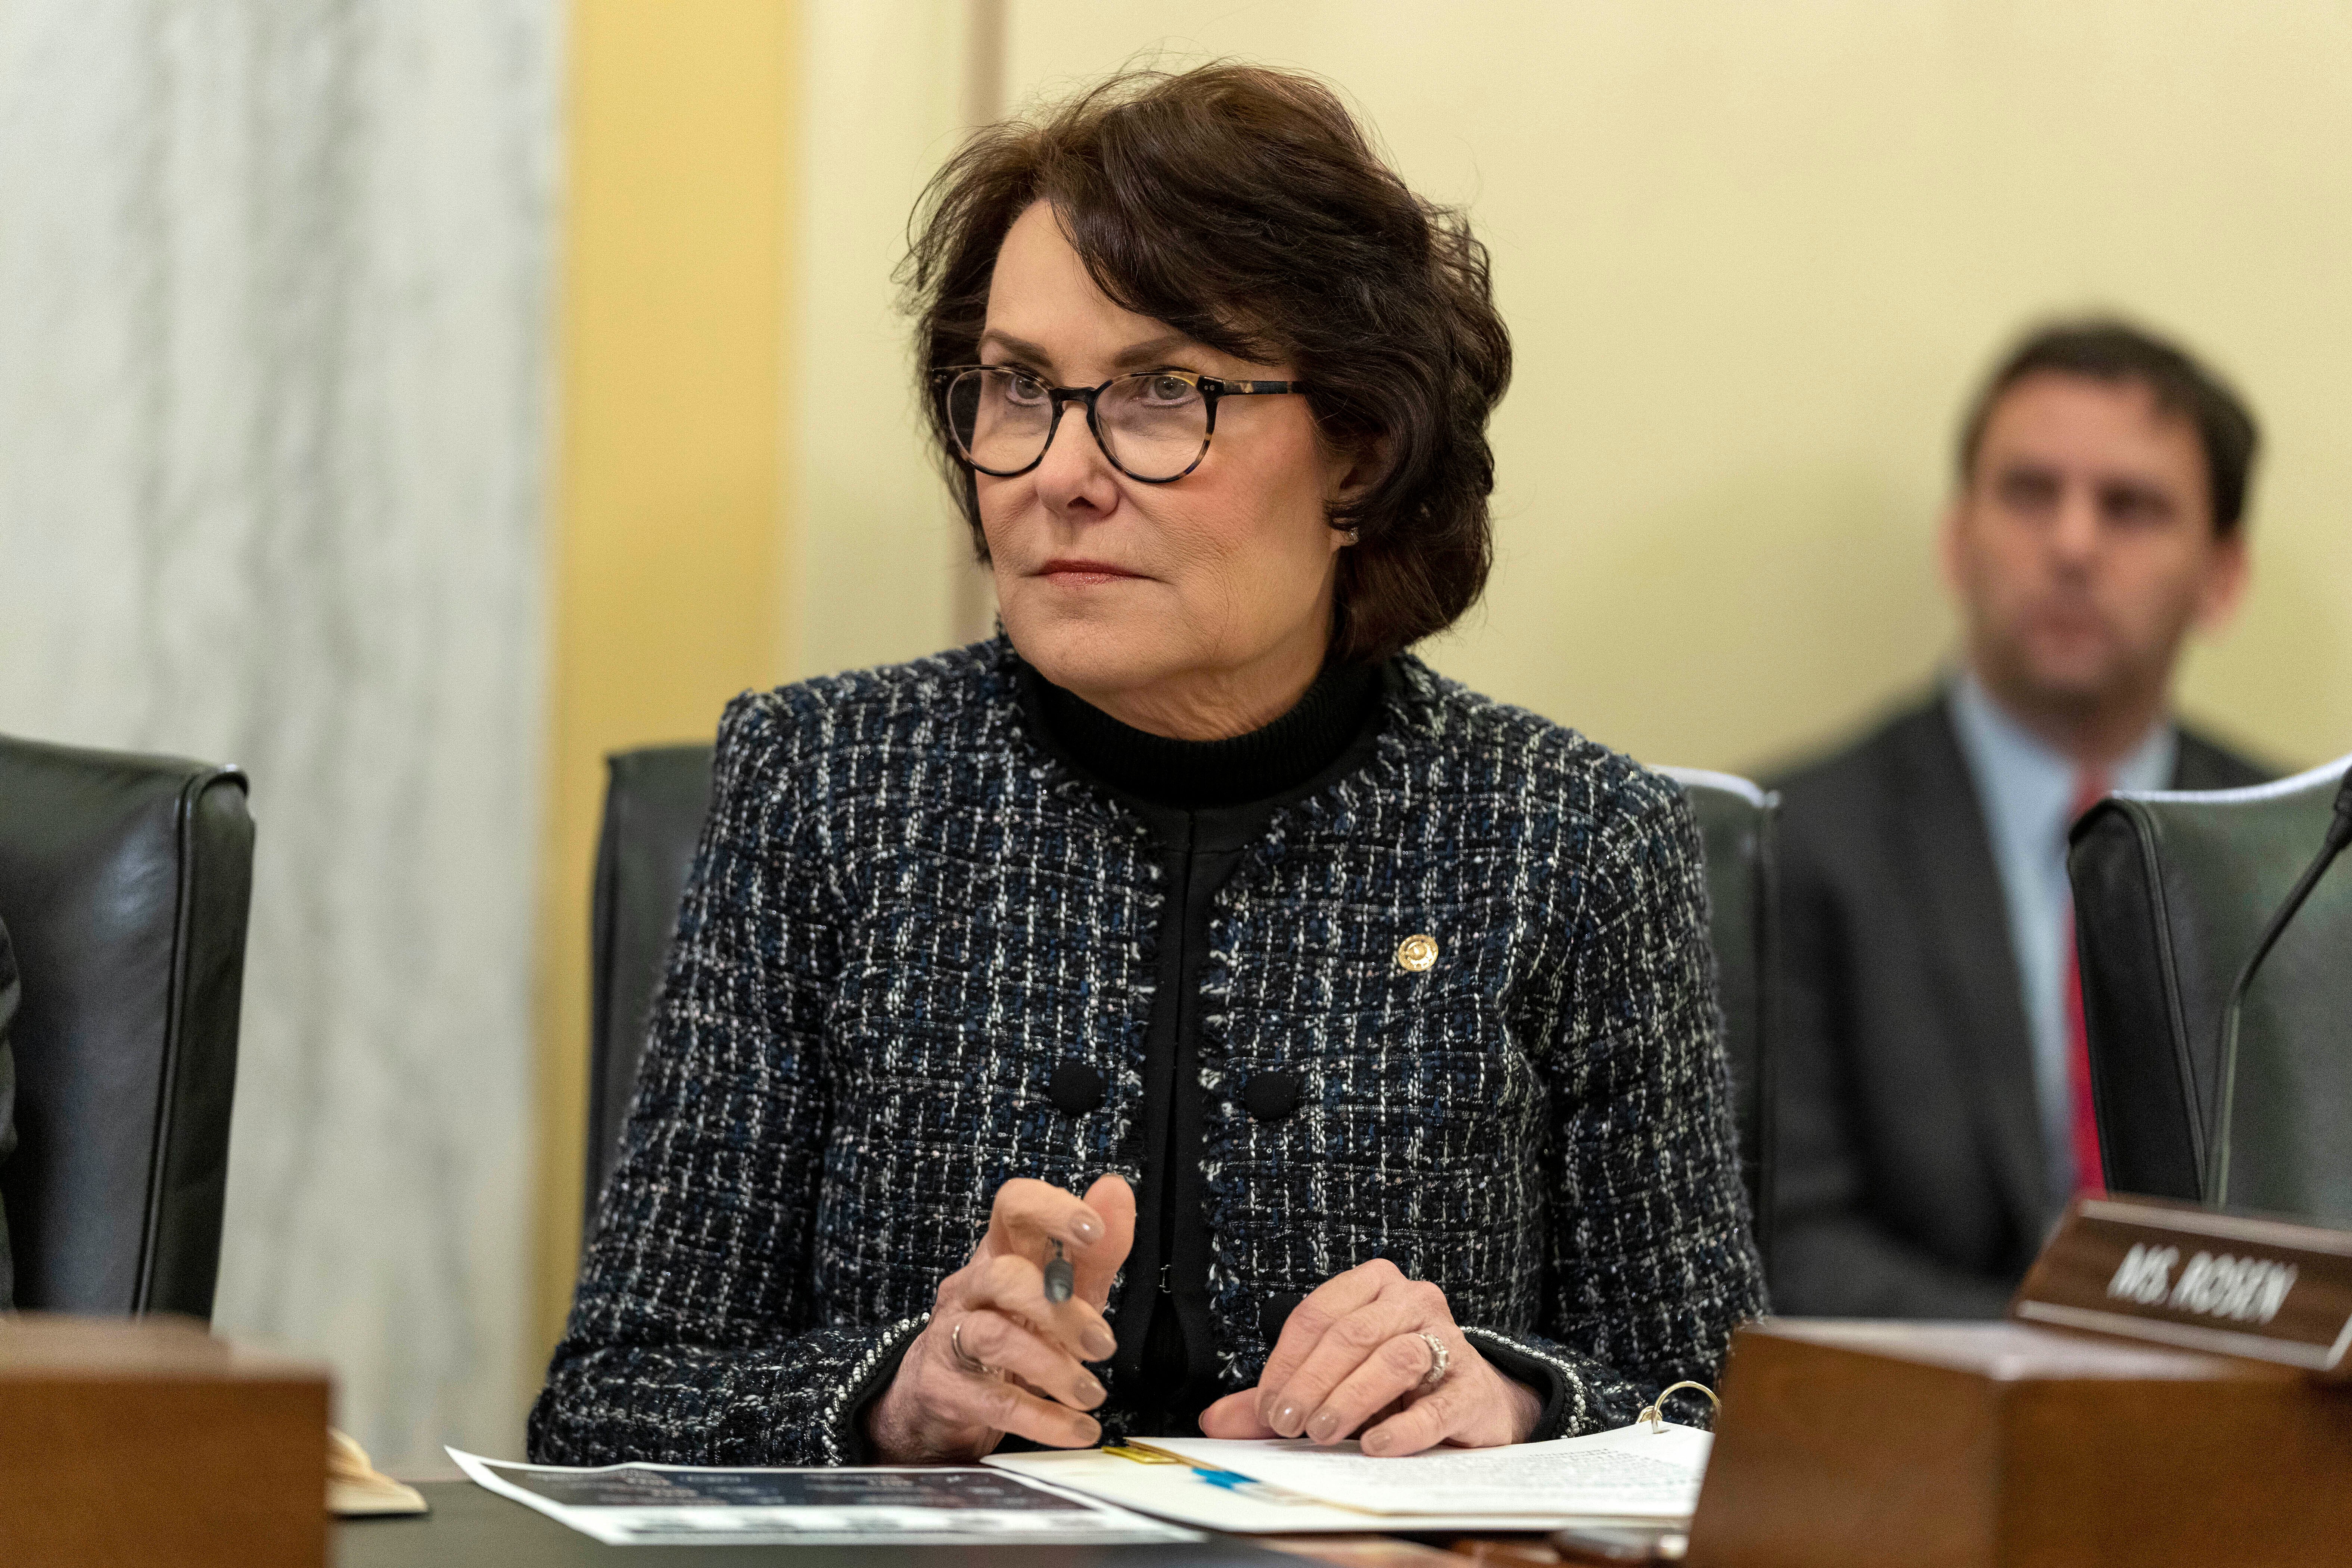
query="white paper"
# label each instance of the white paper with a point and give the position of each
(645, 1505)
(1219, 1499)
(1633, 1472)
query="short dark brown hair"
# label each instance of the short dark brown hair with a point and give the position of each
(2104, 349)
(1247, 209)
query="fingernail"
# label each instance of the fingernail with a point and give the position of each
(1099, 1343)
(1090, 1433)
(1325, 1426)
(1090, 1392)
(1087, 1228)
(1287, 1417)
(1377, 1442)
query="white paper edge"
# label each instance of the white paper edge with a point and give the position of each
(478, 1470)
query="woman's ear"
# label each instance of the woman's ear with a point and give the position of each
(1355, 468)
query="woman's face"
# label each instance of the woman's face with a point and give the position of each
(1198, 608)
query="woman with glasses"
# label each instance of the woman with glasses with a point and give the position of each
(1185, 1012)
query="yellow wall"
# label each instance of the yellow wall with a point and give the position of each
(1753, 257)
(669, 554)
(887, 99)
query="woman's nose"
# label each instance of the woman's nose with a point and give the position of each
(1075, 478)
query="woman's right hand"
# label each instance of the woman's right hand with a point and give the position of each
(939, 1409)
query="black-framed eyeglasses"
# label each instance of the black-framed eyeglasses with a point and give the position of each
(1154, 426)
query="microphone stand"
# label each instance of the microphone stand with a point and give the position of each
(2339, 834)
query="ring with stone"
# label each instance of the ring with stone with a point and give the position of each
(1439, 1359)
(964, 1358)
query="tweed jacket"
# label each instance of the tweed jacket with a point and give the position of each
(904, 915)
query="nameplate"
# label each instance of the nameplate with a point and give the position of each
(2145, 1268)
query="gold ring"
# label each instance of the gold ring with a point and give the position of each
(964, 1358)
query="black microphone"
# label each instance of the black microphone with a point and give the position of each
(2339, 834)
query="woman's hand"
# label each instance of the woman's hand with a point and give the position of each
(941, 1407)
(1353, 1353)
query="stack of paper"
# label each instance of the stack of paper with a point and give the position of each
(1634, 1475)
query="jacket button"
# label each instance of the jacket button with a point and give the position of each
(1078, 1088)
(1271, 1096)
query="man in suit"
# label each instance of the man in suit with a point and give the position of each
(1934, 1101)
(8, 989)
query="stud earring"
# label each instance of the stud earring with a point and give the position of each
(1350, 535)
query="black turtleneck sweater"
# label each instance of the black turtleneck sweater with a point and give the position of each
(1206, 802)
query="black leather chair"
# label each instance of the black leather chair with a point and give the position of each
(2171, 891)
(1735, 824)
(655, 799)
(125, 884)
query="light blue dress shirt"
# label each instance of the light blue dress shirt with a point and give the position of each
(2025, 788)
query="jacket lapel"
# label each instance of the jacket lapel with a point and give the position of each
(1979, 993)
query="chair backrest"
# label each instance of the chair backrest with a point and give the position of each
(654, 806)
(654, 801)
(2171, 891)
(1735, 819)
(125, 884)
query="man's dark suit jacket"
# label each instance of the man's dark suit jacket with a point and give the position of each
(1911, 1176)
(7, 1100)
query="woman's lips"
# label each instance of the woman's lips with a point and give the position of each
(1082, 573)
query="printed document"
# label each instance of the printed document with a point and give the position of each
(643, 1505)
(1631, 1473)
(1224, 1499)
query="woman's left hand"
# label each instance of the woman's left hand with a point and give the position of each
(1352, 1360)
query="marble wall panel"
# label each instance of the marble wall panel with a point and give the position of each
(274, 367)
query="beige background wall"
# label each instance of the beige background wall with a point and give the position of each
(887, 98)
(1754, 257)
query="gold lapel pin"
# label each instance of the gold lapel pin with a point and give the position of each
(1417, 952)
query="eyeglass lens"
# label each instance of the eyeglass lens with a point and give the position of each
(1154, 425)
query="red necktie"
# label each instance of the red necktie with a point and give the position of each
(2090, 1172)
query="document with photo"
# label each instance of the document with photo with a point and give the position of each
(643, 1505)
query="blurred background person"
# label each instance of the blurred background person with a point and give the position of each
(8, 993)
(1936, 1109)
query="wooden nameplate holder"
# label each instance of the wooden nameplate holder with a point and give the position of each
(1972, 1445)
(147, 1440)
(2173, 1273)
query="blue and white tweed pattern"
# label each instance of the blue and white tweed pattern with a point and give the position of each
(904, 915)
